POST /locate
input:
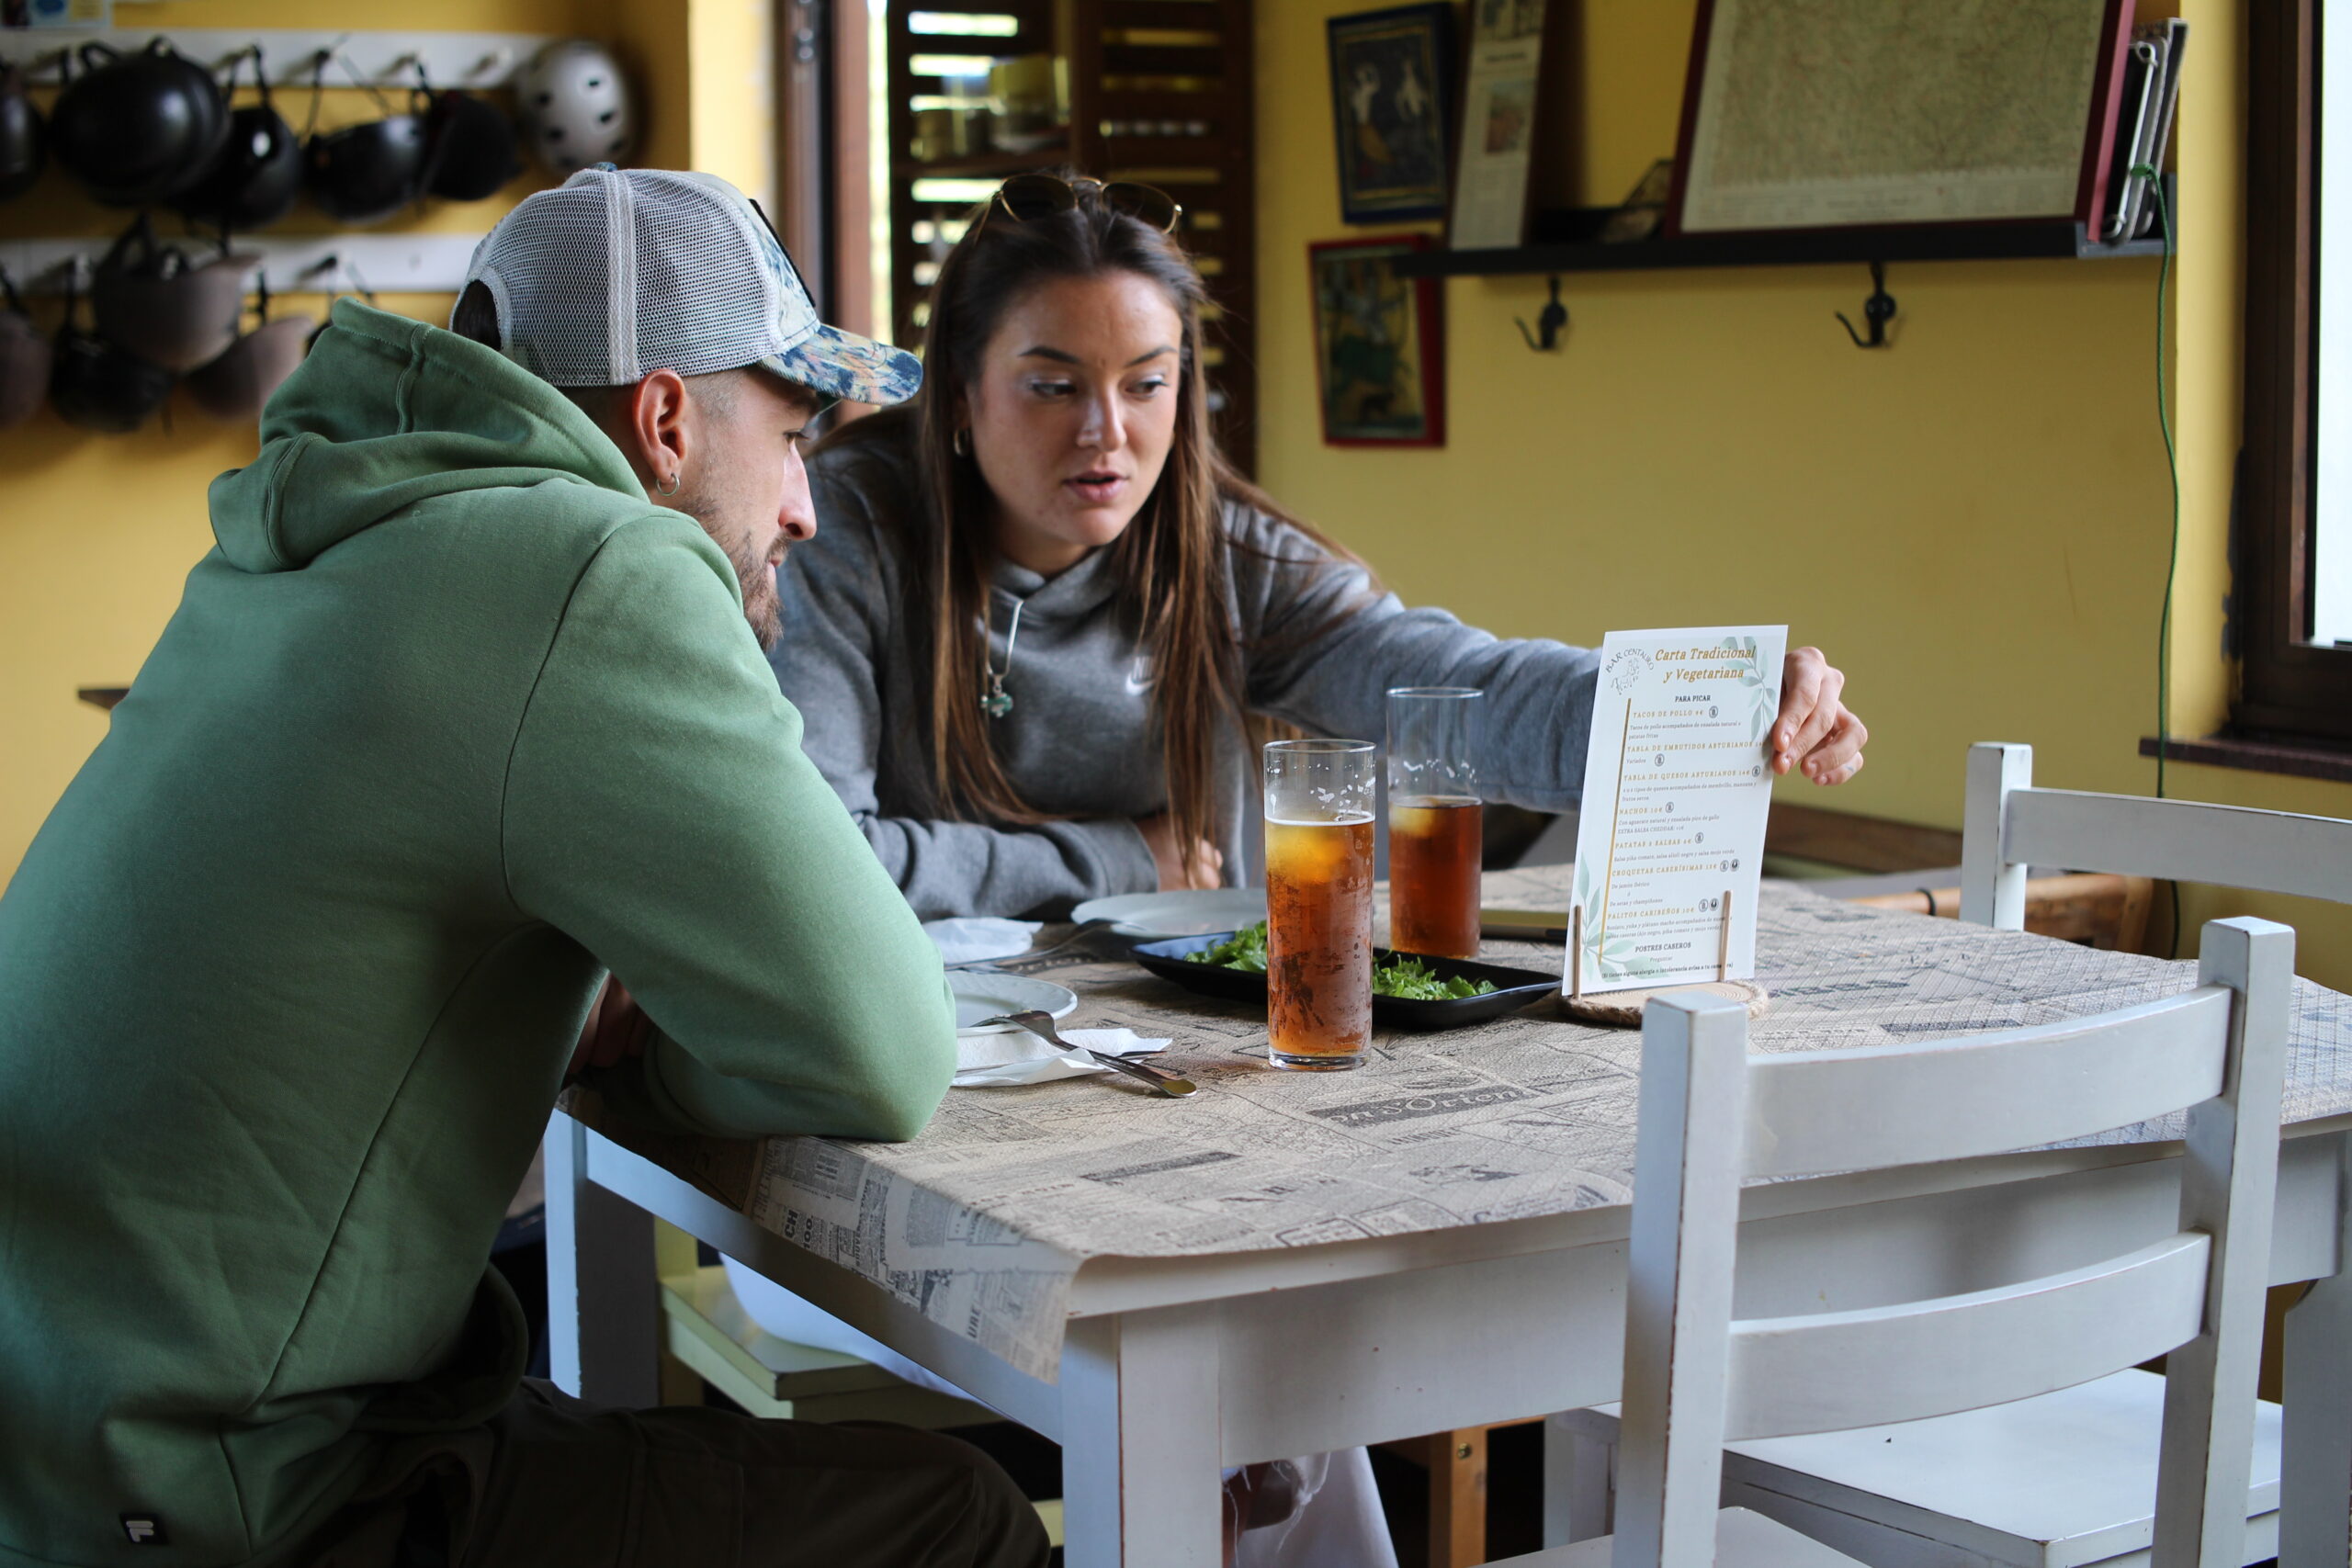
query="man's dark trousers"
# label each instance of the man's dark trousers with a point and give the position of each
(554, 1482)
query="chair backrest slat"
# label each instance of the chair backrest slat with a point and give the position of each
(2180, 841)
(1881, 1105)
(2011, 825)
(1836, 1370)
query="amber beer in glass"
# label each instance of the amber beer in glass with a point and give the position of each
(1319, 801)
(1434, 819)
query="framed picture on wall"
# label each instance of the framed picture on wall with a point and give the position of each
(1392, 107)
(1379, 343)
(1950, 114)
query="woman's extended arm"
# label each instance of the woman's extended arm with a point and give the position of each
(1326, 645)
(1323, 645)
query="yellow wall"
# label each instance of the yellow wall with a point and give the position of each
(97, 531)
(1974, 524)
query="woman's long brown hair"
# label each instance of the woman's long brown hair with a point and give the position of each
(1170, 562)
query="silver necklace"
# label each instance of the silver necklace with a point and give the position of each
(996, 702)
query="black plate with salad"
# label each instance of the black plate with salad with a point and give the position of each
(1410, 990)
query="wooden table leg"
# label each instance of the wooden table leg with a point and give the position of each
(1141, 1441)
(604, 1302)
(1457, 1462)
(2315, 1480)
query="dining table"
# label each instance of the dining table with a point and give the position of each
(1285, 1263)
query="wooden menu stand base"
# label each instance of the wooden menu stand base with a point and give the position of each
(1623, 1009)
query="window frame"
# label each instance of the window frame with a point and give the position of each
(2290, 688)
(824, 211)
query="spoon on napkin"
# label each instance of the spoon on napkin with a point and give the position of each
(1041, 1024)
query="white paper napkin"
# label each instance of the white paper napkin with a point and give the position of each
(970, 939)
(1017, 1056)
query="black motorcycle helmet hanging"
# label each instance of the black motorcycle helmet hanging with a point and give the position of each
(257, 176)
(138, 129)
(364, 172)
(473, 148)
(24, 147)
(96, 385)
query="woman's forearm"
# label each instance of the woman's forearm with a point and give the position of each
(969, 868)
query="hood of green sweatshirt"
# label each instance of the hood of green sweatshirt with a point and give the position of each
(361, 431)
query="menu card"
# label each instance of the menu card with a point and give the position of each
(1677, 785)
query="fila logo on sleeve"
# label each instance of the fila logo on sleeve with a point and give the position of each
(144, 1530)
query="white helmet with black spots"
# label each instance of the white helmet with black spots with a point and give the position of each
(576, 106)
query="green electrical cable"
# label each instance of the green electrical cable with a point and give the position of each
(2172, 463)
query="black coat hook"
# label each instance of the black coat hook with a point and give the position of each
(1878, 310)
(1546, 336)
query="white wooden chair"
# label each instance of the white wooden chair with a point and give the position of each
(1711, 1116)
(2068, 1479)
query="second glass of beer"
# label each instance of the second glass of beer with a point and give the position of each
(1320, 799)
(1434, 819)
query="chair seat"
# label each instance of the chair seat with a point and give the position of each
(2055, 1481)
(1743, 1540)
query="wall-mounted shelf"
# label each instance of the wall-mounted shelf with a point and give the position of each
(381, 59)
(1568, 242)
(293, 264)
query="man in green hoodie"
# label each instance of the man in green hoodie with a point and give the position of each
(466, 707)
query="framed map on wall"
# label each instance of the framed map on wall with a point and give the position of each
(1810, 113)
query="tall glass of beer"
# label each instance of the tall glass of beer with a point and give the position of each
(1319, 801)
(1434, 819)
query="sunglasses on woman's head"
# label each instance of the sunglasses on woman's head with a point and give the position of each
(1026, 198)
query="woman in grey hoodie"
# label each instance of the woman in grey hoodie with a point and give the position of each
(1042, 613)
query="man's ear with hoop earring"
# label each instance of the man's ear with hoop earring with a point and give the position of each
(676, 476)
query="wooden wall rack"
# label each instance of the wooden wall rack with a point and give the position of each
(384, 59)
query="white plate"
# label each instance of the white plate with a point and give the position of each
(1178, 914)
(979, 996)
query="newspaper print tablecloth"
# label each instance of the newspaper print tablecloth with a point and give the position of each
(982, 1222)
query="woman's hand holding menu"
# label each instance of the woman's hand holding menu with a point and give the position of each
(1814, 729)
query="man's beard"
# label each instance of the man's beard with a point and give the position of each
(755, 575)
(761, 605)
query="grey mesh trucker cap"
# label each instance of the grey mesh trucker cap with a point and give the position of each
(619, 272)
